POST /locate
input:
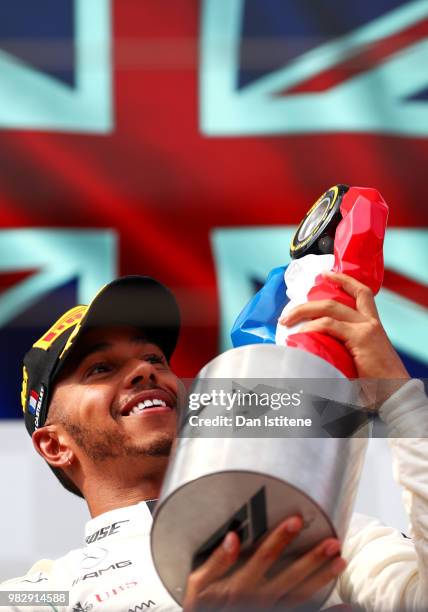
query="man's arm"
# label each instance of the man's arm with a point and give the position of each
(387, 570)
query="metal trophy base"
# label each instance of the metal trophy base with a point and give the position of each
(248, 484)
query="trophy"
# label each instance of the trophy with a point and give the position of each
(276, 426)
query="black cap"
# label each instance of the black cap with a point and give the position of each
(137, 301)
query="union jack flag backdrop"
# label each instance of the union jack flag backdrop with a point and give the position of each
(186, 139)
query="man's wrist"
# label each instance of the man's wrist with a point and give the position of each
(387, 388)
(405, 412)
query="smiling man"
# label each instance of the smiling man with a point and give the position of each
(98, 388)
(115, 398)
(100, 402)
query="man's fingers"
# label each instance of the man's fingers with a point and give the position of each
(321, 308)
(293, 576)
(271, 549)
(363, 295)
(317, 581)
(218, 564)
(300, 580)
(337, 329)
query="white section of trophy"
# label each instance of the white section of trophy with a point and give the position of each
(299, 279)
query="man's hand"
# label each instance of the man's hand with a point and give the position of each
(360, 330)
(208, 587)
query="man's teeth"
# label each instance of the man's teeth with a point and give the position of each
(146, 404)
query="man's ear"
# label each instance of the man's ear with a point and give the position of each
(52, 446)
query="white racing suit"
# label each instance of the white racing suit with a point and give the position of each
(386, 571)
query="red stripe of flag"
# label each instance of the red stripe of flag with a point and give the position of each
(10, 279)
(373, 55)
(406, 287)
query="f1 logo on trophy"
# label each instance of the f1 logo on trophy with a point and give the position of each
(276, 426)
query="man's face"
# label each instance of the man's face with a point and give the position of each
(117, 399)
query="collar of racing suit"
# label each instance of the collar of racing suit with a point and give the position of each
(130, 519)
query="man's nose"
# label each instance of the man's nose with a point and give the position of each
(139, 371)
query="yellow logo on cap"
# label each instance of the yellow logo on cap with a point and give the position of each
(70, 340)
(77, 328)
(69, 319)
(24, 389)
